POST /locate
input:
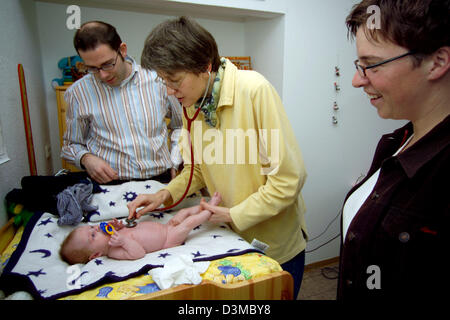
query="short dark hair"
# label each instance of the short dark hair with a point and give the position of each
(93, 33)
(422, 26)
(180, 44)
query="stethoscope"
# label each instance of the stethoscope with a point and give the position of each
(131, 222)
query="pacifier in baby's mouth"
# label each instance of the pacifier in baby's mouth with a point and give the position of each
(107, 228)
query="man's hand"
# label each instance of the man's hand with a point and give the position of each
(98, 169)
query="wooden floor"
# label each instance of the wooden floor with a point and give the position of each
(320, 281)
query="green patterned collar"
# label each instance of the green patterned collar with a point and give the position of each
(210, 105)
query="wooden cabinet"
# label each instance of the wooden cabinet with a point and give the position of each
(62, 108)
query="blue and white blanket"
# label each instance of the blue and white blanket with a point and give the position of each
(36, 266)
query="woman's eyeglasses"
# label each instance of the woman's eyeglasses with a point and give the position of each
(362, 69)
(175, 85)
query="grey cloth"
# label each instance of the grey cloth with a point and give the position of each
(72, 202)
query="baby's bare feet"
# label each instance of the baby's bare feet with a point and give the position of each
(216, 199)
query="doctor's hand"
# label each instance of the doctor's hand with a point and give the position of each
(149, 202)
(98, 169)
(219, 214)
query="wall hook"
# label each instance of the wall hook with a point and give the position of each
(335, 121)
(337, 71)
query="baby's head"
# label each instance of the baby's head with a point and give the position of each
(84, 244)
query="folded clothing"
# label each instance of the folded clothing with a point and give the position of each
(73, 202)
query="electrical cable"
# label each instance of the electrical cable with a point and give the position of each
(323, 232)
(323, 244)
(330, 273)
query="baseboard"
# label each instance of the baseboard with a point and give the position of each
(321, 263)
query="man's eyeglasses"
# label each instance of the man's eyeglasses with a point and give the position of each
(362, 69)
(105, 67)
(175, 85)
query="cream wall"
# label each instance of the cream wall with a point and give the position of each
(133, 27)
(295, 43)
(335, 155)
(20, 44)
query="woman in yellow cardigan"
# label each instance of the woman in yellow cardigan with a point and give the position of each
(244, 146)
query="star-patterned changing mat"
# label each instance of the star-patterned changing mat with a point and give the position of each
(112, 200)
(37, 268)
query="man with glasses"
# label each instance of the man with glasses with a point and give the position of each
(396, 222)
(116, 127)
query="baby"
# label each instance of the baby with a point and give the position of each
(89, 242)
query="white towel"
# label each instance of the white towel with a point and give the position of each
(177, 270)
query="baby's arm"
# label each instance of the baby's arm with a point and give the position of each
(125, 248)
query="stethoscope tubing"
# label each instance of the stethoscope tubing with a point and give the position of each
(189, 120)
(189, 123)
(131, 222)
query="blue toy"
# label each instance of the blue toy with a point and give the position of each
(107, 228)
(70, 67)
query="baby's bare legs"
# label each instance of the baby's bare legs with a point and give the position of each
(186, 212)
(178, 234)
(215, 199)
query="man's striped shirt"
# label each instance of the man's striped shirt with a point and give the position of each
(124, 125)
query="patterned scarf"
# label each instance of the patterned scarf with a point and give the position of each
(210, 105)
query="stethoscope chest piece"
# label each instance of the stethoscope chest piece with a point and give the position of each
(131, 223)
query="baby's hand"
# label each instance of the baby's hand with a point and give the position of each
(116, 240)
(117, 224)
